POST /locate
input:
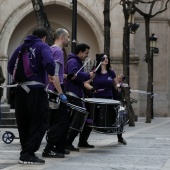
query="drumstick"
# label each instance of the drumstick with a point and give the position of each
(82, 66)
(103, 58)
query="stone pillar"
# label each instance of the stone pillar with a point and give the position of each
(3, 63)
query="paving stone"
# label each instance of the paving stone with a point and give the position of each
(148, 148)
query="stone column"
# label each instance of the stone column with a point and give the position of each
(3, 63)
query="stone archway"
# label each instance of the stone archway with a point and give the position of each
(25, 9)
(22, 21)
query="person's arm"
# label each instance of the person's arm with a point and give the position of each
(87, 84)
(116, 84)
(12, 60)
(81, 76)
(51, 78)
(57, 84)
(47, 59)
(57, 80)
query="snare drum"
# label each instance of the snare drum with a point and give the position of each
(54, 100)
(78, 114)
(103, 112)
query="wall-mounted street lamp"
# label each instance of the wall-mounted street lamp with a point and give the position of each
(36, 6)
(133, 26)
(153, 42)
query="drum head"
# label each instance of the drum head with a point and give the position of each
(102, 101)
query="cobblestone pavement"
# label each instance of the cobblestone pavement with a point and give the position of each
(148, 148)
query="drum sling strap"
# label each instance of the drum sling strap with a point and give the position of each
(25, 85)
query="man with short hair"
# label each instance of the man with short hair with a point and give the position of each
(75, 85)
(32, 107)
(59, 119)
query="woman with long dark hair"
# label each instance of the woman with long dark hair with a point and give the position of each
(101, 85)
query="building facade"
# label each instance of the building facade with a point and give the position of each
(17, 19)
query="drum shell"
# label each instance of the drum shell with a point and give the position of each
(103, 115)
(78, 120)
(77, 116)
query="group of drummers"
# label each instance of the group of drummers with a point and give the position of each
(81, 100)
(74, 115)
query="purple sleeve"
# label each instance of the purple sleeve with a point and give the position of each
(83, 76)
(47, 59)
(12, 60)
(58, 57)
(73, 68)
(113, 74)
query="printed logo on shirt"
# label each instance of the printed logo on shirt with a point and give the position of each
(109, 78)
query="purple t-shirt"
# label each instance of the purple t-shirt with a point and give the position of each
(103, 83)
(58, 57)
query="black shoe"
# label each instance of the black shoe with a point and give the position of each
(72, 148)
(52, 154)
(85, 145)
(31, 160)
(121, 140)
(66, 152)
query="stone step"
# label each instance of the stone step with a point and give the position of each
(5, 107)
(8, 126)
(8, 121)
(10, 114)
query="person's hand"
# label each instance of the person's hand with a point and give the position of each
(63, 98)
(118, 87)
(93, 90)
(92, 74)
(71, 76)
(51, 78)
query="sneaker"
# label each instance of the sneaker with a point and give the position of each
(66, 152)
(85, 145)
(31, 160)
(121, 140)
(72, 148)
(52, 154)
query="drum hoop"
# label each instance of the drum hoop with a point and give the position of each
(101, 102)
(53, 92)
(77, 108)
(72, 94)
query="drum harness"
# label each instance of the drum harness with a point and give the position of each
(24, 85)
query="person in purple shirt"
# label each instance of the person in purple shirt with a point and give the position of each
(32, 106)
(101, 85)
(59, 118)
(75, 86)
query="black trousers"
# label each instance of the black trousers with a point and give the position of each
(58, 128)
(84, 135)
(31, 111)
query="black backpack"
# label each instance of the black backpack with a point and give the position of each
(23, 67)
